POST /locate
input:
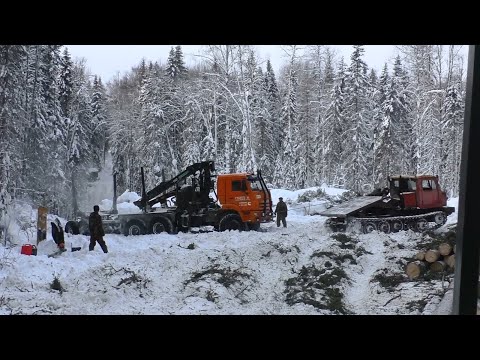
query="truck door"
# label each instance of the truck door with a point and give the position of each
(238, 194)
(428, 194)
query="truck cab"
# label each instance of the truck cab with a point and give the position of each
(421, 192)
(246, 194)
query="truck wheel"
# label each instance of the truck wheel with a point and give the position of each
(410, 225)
(83, 227)
(161, 225)
(368, 227)
(134, 228)
(396, 225)
(421, 225)
(440, 218)
(384, 226)
(231, 222)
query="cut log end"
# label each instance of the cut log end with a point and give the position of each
(415, 269)
(432, 255)
(450, 261)
(438, 266)
(420, 255)
(445, 249)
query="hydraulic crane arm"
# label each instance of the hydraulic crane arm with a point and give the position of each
(169, 188)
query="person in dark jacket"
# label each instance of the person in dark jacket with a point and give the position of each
(96, 230)
(58, 234)
(281, 212)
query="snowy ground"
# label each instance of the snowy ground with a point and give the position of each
(303, 269)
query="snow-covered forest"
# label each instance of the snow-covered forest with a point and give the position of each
(321, 120)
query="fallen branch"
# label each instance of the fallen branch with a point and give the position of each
(396, 297)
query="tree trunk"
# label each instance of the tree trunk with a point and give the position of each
(415, 269)
(445, 249)
(438, 266)
(432, 255)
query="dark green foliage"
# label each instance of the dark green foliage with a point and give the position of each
(346, 241)
(56, 285)
(317, 287)
(224, 276)
(338, 258)
(389, 280)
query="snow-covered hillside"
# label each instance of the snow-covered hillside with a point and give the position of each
(302, 269)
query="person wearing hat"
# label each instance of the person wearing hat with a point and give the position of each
(281, 212)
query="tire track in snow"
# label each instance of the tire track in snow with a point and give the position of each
(358, 296)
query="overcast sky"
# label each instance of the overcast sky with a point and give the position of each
(108, 60)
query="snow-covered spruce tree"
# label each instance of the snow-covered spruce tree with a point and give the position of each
(175, 68)
(12, 59)
(384, 133)
(247, 67)
(453, 115)
(175, 99)
(419, 59)
(308, 114)
(323, 76)
(98, 118)
(205, 103)
(42, 165)
(262, 136)
(402, 105)
(359, 149)
(79, 135)
(124, 127)
(222, 60)
(273, 136)
(56, 134)
(198, 138)
(179, 62)
(286, 163)
(334, 129)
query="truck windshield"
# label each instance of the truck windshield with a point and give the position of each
(255, 183)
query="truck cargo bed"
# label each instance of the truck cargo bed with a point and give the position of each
(350, 206)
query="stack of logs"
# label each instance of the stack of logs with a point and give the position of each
(435, 260)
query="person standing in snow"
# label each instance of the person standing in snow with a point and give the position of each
(96, 230)
(281, 212)
(58, 234)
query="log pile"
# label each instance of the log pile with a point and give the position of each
(435, 260)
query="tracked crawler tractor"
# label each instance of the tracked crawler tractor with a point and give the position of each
(410, 202)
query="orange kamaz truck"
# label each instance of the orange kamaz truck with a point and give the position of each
(240, 201)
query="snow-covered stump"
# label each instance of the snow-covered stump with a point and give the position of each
(415, 269)
(432, 255)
